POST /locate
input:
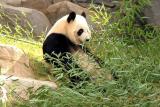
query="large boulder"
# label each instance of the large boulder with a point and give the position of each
(18, 88)
(40, 5)
(57, 10)
(23, 16)
(14, 61)
(153, 13)
(16, 76)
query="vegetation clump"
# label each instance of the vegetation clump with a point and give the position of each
(130, 50)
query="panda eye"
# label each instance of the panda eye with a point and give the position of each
(80, 31)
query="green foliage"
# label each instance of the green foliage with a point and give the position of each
(136, 64)
(131, 22)
(128, 21)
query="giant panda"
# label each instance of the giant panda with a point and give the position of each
(67, 36)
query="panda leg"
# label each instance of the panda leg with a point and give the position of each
(98, 60)
(90, 54)
(70, 64)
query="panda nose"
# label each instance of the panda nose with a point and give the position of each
(87, 40)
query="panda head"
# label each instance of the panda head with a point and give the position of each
(78, 30)
(74, 27)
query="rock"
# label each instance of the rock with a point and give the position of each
(60, 9)
(14, 61)
(17, 88)
(153, 13)
(40, 5)
(84, 5)
(107, 3)
(13, 2)
(55, 1)
(37, 19)
(2, 1)
(16, 76)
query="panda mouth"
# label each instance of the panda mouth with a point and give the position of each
(79, 42)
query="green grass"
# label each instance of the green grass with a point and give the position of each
(33, 49)
(137, 66)
(136, 63)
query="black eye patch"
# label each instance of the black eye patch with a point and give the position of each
(80, 31)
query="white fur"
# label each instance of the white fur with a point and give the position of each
(70, 29)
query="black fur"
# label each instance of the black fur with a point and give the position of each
(71, 17)
(83, 14)
(58, 44)
(80, 31)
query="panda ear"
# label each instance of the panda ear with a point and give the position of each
(83, 14)
(71, 16)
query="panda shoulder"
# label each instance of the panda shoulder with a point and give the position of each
(55, 38)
